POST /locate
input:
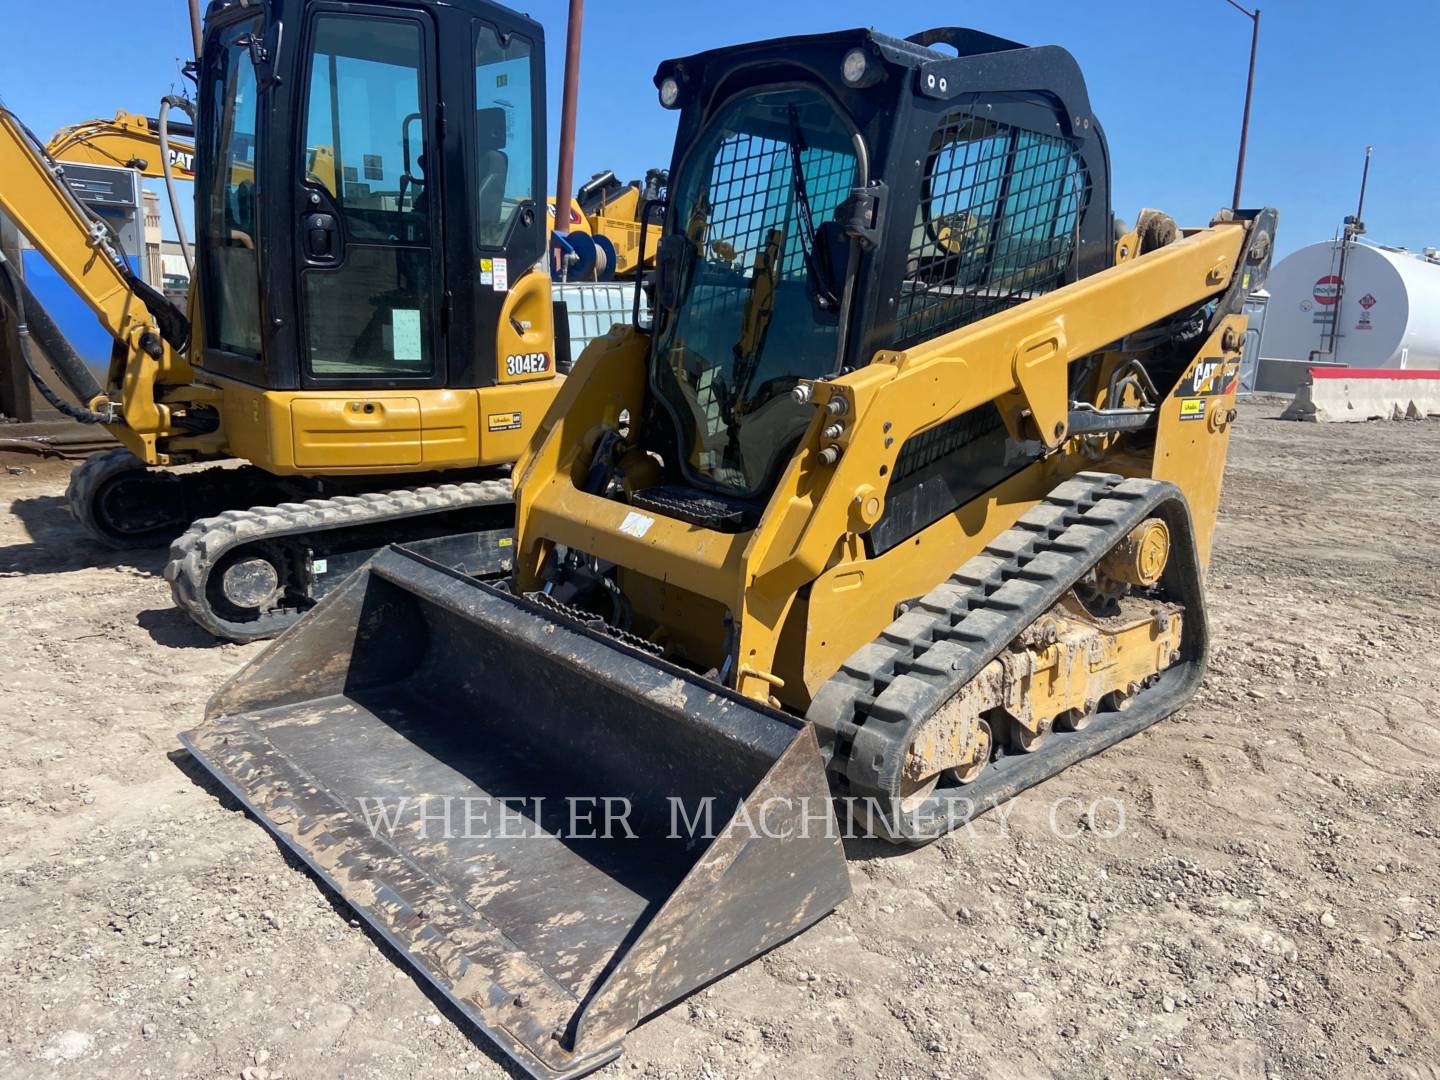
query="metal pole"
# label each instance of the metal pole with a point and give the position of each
(195, 25)
(1249, 93)
(565, 167)
(1346, 236)
(1364, 179)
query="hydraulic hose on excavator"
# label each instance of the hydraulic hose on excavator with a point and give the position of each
(33, 321)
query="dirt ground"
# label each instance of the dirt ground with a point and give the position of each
(1248, 889)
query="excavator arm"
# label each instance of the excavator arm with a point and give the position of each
(149, 335)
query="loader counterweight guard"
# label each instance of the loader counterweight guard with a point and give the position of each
(413, 685)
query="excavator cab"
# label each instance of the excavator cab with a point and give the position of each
(904, 498)
(365, 321)
(368, 177)
(366, 189)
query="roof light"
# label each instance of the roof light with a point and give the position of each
(853, 67)
(669, 92)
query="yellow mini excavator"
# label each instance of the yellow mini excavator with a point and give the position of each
(900, 505)
(127, 141)
(364, 311)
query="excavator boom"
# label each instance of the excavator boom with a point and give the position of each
(126, 141)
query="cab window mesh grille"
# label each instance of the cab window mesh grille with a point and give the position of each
(751, 193)
(997, 224)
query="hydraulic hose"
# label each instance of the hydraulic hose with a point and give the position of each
(164, 124)
(32, 320)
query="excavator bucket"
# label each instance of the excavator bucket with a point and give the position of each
(561, 832)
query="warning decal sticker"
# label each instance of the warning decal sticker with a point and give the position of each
(503, 421)
(1192, 409)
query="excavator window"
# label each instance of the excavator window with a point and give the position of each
(504, 132)
(753, 307)
(232, 290)
(364, 105)
(996, 224)
(368, 300)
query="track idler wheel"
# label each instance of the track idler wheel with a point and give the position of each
(125, 504)
(251, 584)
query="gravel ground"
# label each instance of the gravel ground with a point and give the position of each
(1248, 889)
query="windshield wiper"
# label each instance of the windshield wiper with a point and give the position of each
(824, 290)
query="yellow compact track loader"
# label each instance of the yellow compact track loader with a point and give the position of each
(901, 505)
(364, 311)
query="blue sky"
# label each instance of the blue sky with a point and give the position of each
(1166, 79)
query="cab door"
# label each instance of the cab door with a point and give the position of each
(368, 207)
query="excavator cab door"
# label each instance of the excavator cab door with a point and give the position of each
(368, 216)
(420, 152)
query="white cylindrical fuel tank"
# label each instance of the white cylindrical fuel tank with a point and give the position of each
(1388, 314)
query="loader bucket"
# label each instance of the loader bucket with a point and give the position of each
(441, 753)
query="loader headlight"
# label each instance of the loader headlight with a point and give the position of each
(669, 92)
(854, 67)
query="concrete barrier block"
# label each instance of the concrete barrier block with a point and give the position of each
(1346, 395)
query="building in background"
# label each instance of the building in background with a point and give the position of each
(153, 237)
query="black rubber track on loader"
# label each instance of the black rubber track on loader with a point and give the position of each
(872, 708)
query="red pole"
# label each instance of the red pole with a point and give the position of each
(565, 167)
(195, 25)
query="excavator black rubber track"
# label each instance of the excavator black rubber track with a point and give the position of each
(124, 504)
(246, 575)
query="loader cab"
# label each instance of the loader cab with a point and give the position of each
(838, 194)
(368, 176)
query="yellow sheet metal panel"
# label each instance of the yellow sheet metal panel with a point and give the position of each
(257, 426)
(509, 417)
(356, 431)
(449, 435)
(1193, 436)
(309, 432)
(525, 337)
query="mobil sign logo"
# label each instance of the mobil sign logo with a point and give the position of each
(1327, 289)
